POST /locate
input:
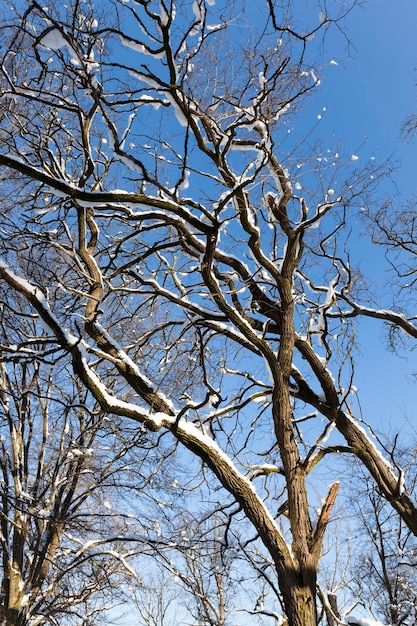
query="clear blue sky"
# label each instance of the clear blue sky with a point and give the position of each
(371, 93)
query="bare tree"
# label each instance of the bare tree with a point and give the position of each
(201, 568)
(370, 566)
(63, 557)
(193, 266)
(196, 571)
(385, 581)
(157, 602)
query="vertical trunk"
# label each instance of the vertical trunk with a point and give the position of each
(15, 617)
(12, 586)
(12, 613)
(299, 595)
(298, 589)
(332, 598)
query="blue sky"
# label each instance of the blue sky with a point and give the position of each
(371, 93)
(368, 95)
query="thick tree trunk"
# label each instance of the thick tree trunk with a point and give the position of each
(299, 595)
(14, 617)
(11, 613)
(298, 589)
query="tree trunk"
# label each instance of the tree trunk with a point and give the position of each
(11, 613)
(299, 594)
(332, 597)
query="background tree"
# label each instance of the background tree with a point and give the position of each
(197, 571)
(385, 577)
(170, 231)
(206, 577)
(368, 570)
(63, 558)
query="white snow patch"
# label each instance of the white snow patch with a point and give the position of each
(362, 621)
(178, 112)
(54, 40)
(197, 10)
(186, 182)
(401, 483)
(164, 15)
(137, 46)
(329, 428)
(155, 102)
(266, 468)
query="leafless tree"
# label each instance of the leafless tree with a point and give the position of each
(370, 571)
(62, 554)
(385, 582)
(202, 571)
(200, 574)
(157, 602)
(187, 255)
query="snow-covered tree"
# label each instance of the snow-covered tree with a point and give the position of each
(189, 254)
(62, 522)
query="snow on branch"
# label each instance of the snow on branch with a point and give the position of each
(36, 297)
(186, 432)
(387, 315)
(351, 620)
(78, 350)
